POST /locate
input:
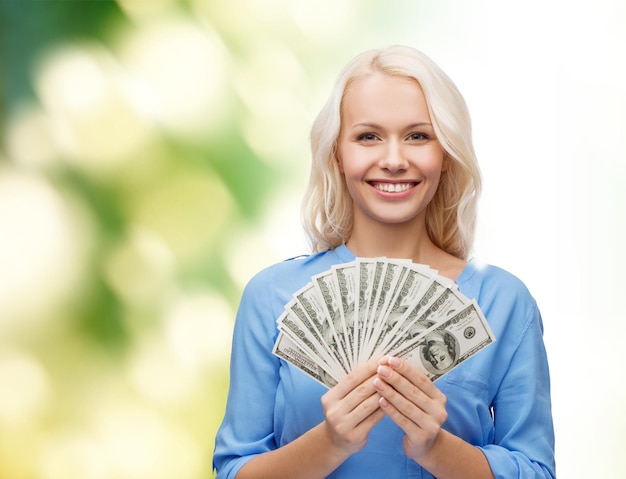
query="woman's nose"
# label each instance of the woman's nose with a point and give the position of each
(393, 158)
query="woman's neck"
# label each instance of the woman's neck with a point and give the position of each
(402, 242)
(392, 241)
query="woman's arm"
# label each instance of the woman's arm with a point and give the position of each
(523, 444)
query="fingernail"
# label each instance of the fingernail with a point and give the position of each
(394, 362)
(384, 371)
(383, 360)
(379, 385)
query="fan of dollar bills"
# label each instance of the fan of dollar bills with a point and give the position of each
(375, 306)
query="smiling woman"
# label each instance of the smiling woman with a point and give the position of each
(394, 175)
(439, 109)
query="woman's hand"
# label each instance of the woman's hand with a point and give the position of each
(351, 408)
(413, 402)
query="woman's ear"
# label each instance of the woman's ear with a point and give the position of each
(445, 162)
(337, 158)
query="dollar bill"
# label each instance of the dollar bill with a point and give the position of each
(389, 277)
(344, 276)
(368, 271)
(328, 289)
(444, 346)
(310, 301)
(439, 303)
(291, 352)
(412, 281)
(293, 322)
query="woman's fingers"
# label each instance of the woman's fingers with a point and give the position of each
(355, 386)
(354, 397)
(409, 382)
(412, 401)
(352, 408)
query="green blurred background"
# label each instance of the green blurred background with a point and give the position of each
(152, 158)
(148, 147)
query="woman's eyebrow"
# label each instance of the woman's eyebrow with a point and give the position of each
(422, 123)
(366, 124)
(377, 126)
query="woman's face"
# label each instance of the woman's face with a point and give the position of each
(387, 150)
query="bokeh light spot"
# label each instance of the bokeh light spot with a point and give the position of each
(140, 268)
(156, 373)
(180, 68)
(95, 123)
(199, 329)
(43, 247)
(326, 21)
(188, 213)
(72, 455)
(30, 140)
(26, 388)
(142, 445)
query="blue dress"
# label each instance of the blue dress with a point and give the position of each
(498, 400)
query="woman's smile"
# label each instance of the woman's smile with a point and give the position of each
(389, 187)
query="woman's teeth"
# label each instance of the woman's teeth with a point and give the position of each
(393, 187)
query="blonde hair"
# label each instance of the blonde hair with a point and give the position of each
(451, 215)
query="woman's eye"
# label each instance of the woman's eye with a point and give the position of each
(418, 137)
(367, 137)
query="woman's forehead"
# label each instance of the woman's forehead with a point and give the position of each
(379, 97)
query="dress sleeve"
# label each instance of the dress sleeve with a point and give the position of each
(247, 429)
(524, 437)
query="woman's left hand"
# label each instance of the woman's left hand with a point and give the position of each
(413, 402)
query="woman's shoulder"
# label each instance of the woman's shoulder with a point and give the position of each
(503, 298)
(295, 272)
(486, 280)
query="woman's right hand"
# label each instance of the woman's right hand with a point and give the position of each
(351, 408)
